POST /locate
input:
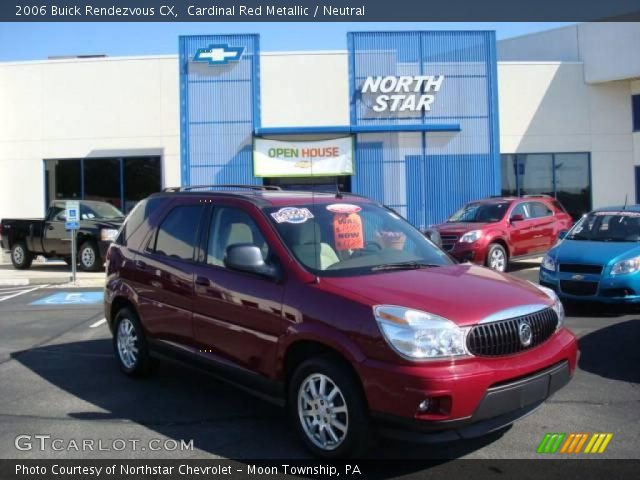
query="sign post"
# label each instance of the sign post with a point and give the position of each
(72, 224)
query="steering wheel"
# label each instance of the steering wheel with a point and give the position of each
(369, 247)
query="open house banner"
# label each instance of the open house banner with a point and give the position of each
(275, 158)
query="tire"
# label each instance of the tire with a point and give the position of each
(89, 257)
(347, 408)
(497, 258)
(21, 257)
(130, 344)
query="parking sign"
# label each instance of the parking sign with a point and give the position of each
(72, 208)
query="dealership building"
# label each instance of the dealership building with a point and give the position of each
(422, 121)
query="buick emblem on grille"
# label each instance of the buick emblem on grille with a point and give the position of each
(578, 277)
(526, 335)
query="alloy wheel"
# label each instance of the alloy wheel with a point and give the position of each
(88, 257)
(323, 412)
(127, 340)
(18, 255)
(497, 261)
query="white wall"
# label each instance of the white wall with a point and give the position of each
(558, 44)
(547, 107)
(304, 89)
(82, 108)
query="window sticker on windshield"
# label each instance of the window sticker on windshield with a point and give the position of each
(343, 208)
(347, 231)
(618, 214)
(292, 215)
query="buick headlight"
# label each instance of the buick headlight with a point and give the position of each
(108, 234)
(630, 265)
(418, 335)
(471, 236)
(557, 304)
(548, 263)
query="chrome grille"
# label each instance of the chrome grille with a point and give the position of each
(503, 337)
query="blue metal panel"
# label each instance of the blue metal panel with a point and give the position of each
(219, 110)
(431, 172)
(342, 129)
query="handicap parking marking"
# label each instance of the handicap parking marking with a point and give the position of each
(71, 298)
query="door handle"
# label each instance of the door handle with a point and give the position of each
(49, 227)
(141, 265)
(202, 281)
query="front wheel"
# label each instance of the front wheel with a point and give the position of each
(21, 257)
(497, 258)
(328, 409)
(89, 257)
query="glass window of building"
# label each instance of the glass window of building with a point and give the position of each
(635, 102)
(565, 176)
(120, 181)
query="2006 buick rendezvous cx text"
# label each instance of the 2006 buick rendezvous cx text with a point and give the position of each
(335, 307)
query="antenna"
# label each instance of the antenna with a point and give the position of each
(626, 197)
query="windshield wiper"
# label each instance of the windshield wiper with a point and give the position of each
(403, 266)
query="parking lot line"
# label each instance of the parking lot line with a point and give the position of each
(98, 323)
(22, 292)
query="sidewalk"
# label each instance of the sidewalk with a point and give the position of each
(52, 273)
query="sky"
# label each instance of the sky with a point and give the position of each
(37, 41)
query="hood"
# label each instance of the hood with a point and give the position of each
(582, 251)
(115, 224)
(459, 227)
(462, 293)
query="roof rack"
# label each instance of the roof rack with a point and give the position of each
(188, 188)
(537, 195)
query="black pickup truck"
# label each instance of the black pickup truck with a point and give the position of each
(99, 224)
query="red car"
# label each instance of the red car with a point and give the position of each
(336, 307)
(494, 231)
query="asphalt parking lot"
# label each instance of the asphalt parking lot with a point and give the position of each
(58, 378)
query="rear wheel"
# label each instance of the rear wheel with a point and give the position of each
(21, 257)
(328, 409)
(497, 258)
(130, 344)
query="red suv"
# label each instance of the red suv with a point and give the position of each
(493, 231)
(336, 307)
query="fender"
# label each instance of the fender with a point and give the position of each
(319, 333)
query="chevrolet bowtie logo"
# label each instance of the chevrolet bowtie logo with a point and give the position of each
(218, 54)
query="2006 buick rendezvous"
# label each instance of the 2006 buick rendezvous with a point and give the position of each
(337, 307)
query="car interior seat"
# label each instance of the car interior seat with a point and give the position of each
(307, 245)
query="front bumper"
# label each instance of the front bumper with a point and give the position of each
(501, 406)
(622, 289)
(479, 394)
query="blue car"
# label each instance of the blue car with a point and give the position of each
(598, 259)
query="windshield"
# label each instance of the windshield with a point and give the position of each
(480, 213)
(103, 211)
(344, 239)
(614, 226)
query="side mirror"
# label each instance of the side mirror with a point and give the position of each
(246, 257)
(516, 218)
(562, 234)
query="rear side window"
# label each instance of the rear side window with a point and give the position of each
(177, 233)
(558, 206)
(539, 209)
(521, 209)
(137, 217)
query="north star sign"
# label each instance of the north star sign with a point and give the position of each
(218, 54)
(401, 94)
